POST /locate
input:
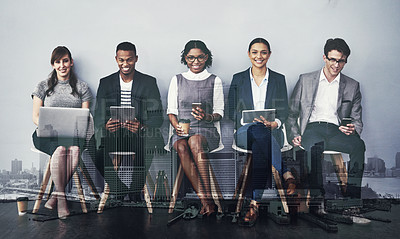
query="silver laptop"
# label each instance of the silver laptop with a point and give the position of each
(63, 122)
(249, 115)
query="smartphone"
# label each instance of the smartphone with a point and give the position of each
(345, 121)
(195, 105)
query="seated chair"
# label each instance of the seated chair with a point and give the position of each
(243, 179)
(216, 193)
(341, 173)
(81, 166)
(118, 164)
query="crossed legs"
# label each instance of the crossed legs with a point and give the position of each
(63, 165)
(195, 164)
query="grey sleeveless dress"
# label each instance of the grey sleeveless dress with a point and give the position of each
(193, 91)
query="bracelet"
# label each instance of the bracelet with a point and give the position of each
(212, 119)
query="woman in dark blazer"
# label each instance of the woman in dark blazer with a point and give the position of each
(253, 89)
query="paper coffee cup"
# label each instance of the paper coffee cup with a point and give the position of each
(185, 124)
(22, 205)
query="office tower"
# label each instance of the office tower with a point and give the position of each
(376, 165)
(16, 166)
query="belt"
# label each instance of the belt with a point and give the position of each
(321, 123)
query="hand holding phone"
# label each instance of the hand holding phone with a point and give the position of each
(345, 121)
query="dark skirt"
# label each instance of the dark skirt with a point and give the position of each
(49, 144)
(211, 134)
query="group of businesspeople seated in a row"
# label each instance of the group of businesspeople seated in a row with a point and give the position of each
(319, 102)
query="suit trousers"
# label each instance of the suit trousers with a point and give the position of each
(336, 140)
(266, 151)
(123, 141)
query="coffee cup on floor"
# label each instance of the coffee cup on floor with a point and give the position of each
(22, 205)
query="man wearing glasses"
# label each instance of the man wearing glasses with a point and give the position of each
(328, 105)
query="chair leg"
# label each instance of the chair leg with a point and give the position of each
(244, 177)
(80, 191)
(147, 196)
(104, 198)
(50, 189)
(340, 170)
(87, 177)
(215, 189)
(42, 189)
(147, 199)
(167, 190)
(150, 183)
(177, 185)
(280, 188)
(106, 192)
(239, 183)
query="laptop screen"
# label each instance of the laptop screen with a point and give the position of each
(63, 122)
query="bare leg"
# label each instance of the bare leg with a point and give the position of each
(61, 168)
(183, 150)
(197, 144)
(58, 175)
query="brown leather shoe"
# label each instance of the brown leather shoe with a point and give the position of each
(291, 186)
(250, 218)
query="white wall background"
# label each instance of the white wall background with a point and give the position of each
(297, 31)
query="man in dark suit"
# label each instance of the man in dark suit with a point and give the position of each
(320, 101)
(141, 135)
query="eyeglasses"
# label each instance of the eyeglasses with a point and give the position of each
(200, 58)
(333, 61)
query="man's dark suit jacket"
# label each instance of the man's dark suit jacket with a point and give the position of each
(145, 98)
(241, 98)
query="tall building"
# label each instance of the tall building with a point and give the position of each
(398, 160)
(376, 164)
(16, 166)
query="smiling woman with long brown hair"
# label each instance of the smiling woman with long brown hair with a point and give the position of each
(61, 89)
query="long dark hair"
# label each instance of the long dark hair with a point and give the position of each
(52, 81)
(199, 45)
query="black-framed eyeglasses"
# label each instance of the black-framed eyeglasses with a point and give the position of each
(333, 61)
(200, 58)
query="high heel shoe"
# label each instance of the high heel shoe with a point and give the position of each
(207, 209)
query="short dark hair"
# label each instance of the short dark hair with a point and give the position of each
(126, 46)
(337, 44)
(199, 45)
(259, 40)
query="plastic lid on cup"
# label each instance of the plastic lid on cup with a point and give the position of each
(22, 199)
(184, 121)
